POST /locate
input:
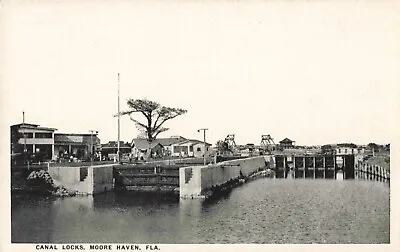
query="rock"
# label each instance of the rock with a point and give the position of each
(48, 181)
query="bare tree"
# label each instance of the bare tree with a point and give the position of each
(155, 115)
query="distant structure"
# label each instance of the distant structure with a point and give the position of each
(110, 150)
(286, 144)
(230, 140)
(80, 146)
(267, 143)
(176, 146)
(346, 148)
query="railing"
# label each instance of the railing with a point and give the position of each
(364, 170)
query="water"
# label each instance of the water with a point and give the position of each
(263, 211)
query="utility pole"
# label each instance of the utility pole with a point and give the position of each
(91, 145)
(205, 147)
(119, 124)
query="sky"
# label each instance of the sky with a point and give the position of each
(315, 72)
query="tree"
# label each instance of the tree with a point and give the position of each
(155, 116)
(222, 146)
(327, 149)
(373, 146)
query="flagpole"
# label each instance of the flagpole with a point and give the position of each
(119, 124)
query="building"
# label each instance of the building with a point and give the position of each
(31, 143)
(141, 146)
(110, 149)
(346, 148)
(286, 144)
(165, 142)
(249, 150)
(176, 146)
(42, 144)
(189, 148)
(78, 146)
(168, 143)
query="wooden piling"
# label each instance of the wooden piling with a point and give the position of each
(284, 167)
(294, 167)
(334, 167)
(314, 166)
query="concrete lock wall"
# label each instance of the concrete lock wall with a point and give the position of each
(98, 179)
(102, 178)
(195, 179)
(69, 177)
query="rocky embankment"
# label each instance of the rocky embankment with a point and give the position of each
(42, 182)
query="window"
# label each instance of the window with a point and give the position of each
(43, 135)
(198, 149)
(339, 150)
(27, 135)
(191, 148)
(352, 151)
(345, 151)
(177, 149)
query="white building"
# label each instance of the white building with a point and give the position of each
(346, 149)
(190, 148)
(177, 146)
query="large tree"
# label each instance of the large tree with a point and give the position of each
(155, 115)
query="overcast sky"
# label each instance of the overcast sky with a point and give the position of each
(313, 72)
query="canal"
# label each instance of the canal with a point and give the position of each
(262, 211)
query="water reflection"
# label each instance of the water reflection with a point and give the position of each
(263, 211)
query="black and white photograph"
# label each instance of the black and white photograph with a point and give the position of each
(199, 125)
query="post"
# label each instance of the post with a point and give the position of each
(324, 165)
(304, 167)
(119, 123)
(25, 150)
(91, 146)
(314, 166)
(205, 147)
(284, 166)
(294, 166)
(334, 167)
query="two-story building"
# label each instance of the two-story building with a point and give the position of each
(34, 143)
(286, 144)
(31, 142)
(346, 149)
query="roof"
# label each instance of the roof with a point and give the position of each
(143, 144)
(76, 134)
(163, 141)
(286, 140)
(350, 145)
(32, 126)
(26, 124)
(74, 138)
(194, 141)
(114, 144)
